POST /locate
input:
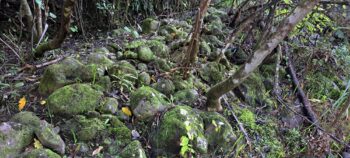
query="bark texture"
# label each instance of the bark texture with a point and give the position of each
(193, 48)
(62, 32)
(265, 48)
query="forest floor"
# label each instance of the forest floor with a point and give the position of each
(122, 94)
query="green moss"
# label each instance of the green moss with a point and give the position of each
(248, 118)
(187, 96)
(145, 54)
(294, 142)
(178, 122)
(144, 78)
(133, 150)
(129, 55)
(42, 153)
(27, 119)
(218, 132)
(323, 86)
(165, 86)
(149, 25)
(74, 99)
(118, 129)
(85, 129)
(212, 72)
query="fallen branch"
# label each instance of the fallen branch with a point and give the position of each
(280, 100)
(300, 93)
(39, 66)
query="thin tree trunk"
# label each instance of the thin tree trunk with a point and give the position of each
(27, 13)
(192, 49)
(62, 32)
(266, 47)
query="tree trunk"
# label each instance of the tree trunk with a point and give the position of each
(62, 32)
(193, 48)
(265, 48)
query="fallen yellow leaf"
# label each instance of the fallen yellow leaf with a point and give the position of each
(126, 111)
(43, 102)
(37, 144)
(22, 103)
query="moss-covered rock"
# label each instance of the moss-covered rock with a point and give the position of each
(123, 70)
(181, 84)
(109, 106)
(142, 67)
(160, 49)
(104, 84)
(145, 54)
(144, 79)
(102, 50)
(218, 132)
(212, 72)
(66, 72)
(27, 118)
(178, 122)
(48, 137)
(99, 59)
(129, 55)
(84, 129)
(43, 130)
(165, 86)
(74, 99)
(14, 137)
(119, 131)
(162, 64)
(186, 96)
(146, 102)
(40, 153)
(133, 150)
(150, 25)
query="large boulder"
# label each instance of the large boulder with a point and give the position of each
(146, 102)
(74, 99)
(182, 121)
(66, 72)
(14, 137)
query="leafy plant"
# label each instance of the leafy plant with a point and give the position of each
(186, 147)
(123, 80)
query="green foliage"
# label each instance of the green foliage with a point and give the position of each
(123, 80)
(186, 147)
(247, 118)
(315, 22)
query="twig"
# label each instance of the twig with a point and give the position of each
(11, 49)
(240, 125)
